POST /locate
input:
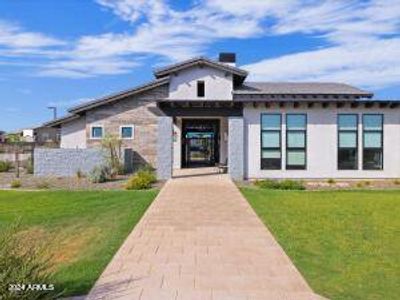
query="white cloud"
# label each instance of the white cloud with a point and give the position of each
(374, 64)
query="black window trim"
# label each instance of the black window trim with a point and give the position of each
(202, 84)
(381, 131)
(304, 167)
(338, 139)
(270, 148)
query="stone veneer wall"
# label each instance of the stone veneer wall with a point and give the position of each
(138, 110)
(236, 147)
(65, 162)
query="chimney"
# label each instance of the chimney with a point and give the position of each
(228, 58)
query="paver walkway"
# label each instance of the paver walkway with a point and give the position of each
(200, 239)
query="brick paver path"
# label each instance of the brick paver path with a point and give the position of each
(200, 239)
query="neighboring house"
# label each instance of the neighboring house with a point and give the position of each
(202, 112)
(43, 135)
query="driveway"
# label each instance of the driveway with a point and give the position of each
(200, 239)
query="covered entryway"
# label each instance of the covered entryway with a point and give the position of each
(200, 142)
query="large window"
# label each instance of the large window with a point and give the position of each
(372, 142)
(296, 141)
(271, 142)
(347, 142)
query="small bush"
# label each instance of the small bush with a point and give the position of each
(367, 183)
(360, 184)
(99, 174)
(43, 184)
(280, 185)
(5, 165)
(331, 181)
(142, 180)
(23, 264)
(15, 184)
(396, 181)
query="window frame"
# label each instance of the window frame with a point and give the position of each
(287, 148)
(91, 132)
(357, 140)
(381, 131)
(270, 148)
(203, 84)
(132, 126)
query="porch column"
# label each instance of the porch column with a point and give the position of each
(236, 147)
(164, 148)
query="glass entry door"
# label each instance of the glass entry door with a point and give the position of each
(200, 141)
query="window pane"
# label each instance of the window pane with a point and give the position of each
(296, 158)
(372, 122)
(126, 132)
(347, 122)
(270, 139)
(347, 159)
(271, 122)
(271, 163)
(296, 139)
(97, 132)
(372, 159)
(347, 140)
(271, 154)
(372, 139)
(296, 121)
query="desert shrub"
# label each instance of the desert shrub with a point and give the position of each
(112, 146)
(280, 184)
(360, 184)
(5, 165)
(142, 180)
(99, 174)
(42, 184)
(23, 264)
(396, 181)
(15, 184)
(331, 181)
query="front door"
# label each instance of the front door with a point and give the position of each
(200, 143)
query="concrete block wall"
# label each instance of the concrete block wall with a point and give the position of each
(66, 162)
(236, 147)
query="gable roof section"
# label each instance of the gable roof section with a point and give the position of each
(59, 121)
(118, 96)
(164, 71)
(300, 88)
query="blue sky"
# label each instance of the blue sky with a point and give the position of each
(62, 53)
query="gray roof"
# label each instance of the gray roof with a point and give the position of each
(118, 96)
(160, 72)
(300, 88)
(60, 120)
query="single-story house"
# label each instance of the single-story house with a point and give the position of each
(203, 112)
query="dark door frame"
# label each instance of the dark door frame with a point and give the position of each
(214, 123)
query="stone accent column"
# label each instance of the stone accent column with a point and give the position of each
(164, 148)
(236, 147)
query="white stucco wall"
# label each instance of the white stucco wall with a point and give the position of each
(218, 84)
(73, 134)
(322, 144)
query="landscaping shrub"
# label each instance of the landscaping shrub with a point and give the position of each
(80, 174)
(280, 184)
(23, 264)
(142, 180)
(99, 174)
(15, 184)
(5, 165)
(43, 184)
(396, 181)
(331, 181)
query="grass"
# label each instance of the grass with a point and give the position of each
(82, 229)
(345, 243)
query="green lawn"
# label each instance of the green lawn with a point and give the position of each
(345, 243)
(81, 229)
